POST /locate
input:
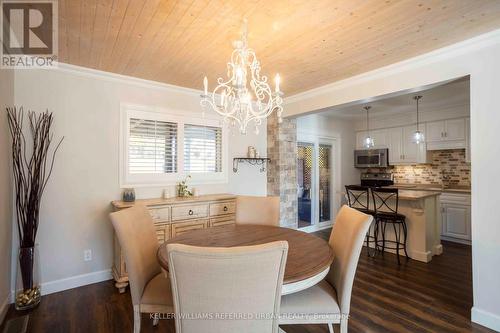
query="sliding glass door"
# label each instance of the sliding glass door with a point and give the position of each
(305, 152)
(325, 181)
(315, 183)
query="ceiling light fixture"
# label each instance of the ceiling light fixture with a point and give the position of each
(368, 141)
(232, 98)
(418, 137)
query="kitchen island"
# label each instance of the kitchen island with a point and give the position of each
(423, 219)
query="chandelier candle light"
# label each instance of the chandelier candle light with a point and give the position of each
(245, 95)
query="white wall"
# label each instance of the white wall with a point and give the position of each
(479, 58)
(6, 99)
(75, 207)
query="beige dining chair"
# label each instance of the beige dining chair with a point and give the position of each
(258, 210)
(227, 290)
(149, 287)
(329, 301)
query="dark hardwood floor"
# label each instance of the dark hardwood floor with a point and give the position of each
(414, 297)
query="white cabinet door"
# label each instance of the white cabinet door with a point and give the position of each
(435, 131)
(410, 149)
(379, 138)
(454, 129)
(395, 145)
(456, 221)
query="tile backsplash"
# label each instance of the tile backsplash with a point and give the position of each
(448, 167)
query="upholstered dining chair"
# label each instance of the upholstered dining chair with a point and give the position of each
(149, 287)
(227, 290)
(258, 210)
(329, 301)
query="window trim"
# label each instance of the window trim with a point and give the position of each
(180, 117)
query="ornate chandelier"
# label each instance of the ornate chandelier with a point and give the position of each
(245, 95)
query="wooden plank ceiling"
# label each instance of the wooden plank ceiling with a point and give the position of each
(310, 43)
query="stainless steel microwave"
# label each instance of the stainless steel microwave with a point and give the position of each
(371, 158)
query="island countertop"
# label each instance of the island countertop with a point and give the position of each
(433, 187)
(416, 195)
(413, 195)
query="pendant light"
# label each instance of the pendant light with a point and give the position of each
(418, 137)
(368, 141)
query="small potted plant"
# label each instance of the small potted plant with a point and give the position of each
(182, 188)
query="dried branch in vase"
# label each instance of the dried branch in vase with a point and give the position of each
(32, 164)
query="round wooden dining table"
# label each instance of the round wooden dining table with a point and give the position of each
(309, 257)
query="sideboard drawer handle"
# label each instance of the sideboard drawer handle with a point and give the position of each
(225, 208)
(190, 212)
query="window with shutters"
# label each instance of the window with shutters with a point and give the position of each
(202, 149)
(152, 146)
(162, 148)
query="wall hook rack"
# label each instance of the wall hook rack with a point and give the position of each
(262, 161)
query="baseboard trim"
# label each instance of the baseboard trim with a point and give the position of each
(71, 282)
(75, 281)
(456, 240)
(4, 306)
(485, 318)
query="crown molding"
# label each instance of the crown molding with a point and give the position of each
(485, 40)
(124, 79)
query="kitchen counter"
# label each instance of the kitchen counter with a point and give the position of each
(423, 218)
(416, 194)
(432, 187)
(422, 209)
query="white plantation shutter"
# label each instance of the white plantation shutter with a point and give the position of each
(152, 147)
(202, 149)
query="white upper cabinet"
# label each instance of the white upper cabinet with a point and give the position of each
(446, 134)
(410, 149)
(435, 131)
(454, 129)
(395, 145)
(443, 134)
(402, 150)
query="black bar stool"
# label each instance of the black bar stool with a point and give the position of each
(358, 197)
(386, 202)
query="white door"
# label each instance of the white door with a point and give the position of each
(455, 129)
(435, 131)
(394, 143)
(410, 149)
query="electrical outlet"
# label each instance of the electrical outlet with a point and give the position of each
(87, 255)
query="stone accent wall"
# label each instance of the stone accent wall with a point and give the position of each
(447, 167)
(282, 171)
